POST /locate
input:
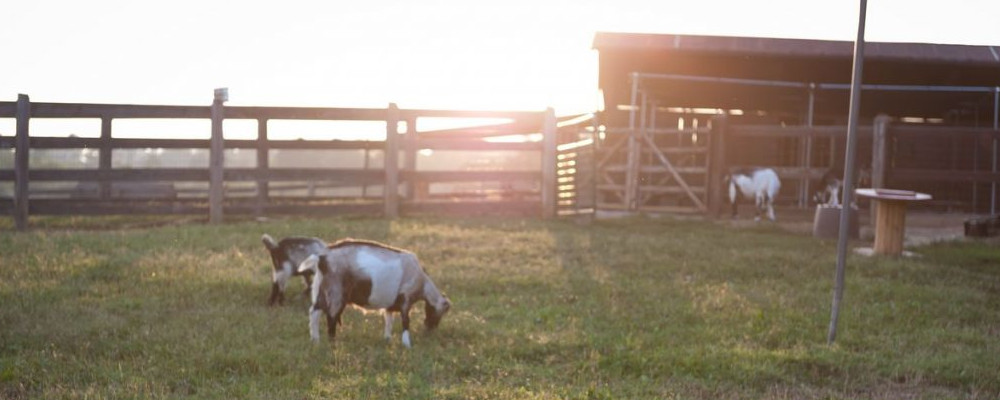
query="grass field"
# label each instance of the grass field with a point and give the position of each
(633, 308)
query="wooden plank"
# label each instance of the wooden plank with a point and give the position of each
(659, 169)
(307, 113)
(525, 116)
(924, 175)
(527, 208)
(358, 176)
(82, 110)
(476, 144)
(8, 109)
(671, 189)
(137, 174)
(771, 131)
(901, 130)
(471, 176)
(671, 209)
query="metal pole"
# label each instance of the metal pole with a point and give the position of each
(807, 160)
(630, 176)
(852, 133)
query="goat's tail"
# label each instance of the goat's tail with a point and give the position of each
(269, 242)
(309, 264)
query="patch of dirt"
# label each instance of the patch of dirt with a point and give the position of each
(922, 227)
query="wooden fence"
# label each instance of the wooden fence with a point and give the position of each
(405, 187)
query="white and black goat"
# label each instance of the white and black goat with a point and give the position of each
(373, 276)
(759, 184)
(286, 256)
(832, 184)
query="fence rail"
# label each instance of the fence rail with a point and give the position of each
(529, 191)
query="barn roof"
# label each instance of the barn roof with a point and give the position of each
(959, 55)
(741, 72)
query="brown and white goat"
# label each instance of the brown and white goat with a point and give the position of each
(373, 276)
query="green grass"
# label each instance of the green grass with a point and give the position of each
(634, 308)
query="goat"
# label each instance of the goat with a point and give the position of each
(759, 184)
(286, 256)
(373, 276)
(832, 184)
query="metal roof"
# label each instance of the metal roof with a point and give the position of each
(919, 52)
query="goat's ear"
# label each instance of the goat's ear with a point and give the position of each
(309, 264)
(269, 242)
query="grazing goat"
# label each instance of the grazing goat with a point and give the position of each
(759, 184)
(286, 256)
(373, 276)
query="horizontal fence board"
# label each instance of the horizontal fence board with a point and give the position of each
(771, 131)
(938, 131)
(937, 175)
(522, 116)
(465, 176)
(306, 113)
(474, 144)
(533, 208)
(307, 209)
(144, 143)
(73, 110)
(8, 109)
(657, 169)
(358, 176)
(133, 175)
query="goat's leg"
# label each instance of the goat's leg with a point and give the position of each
(388, 324)
(276, 295)
(314, 315)
(759, 205)
(332, 320)
(405, 316)
(307, 293)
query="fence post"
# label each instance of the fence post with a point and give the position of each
(390, 189)
(216, 158)
(104, 159)
(717, 167)
(22, 145)
(263, 165)
(549, 137)
(410, 149)
(880, 151)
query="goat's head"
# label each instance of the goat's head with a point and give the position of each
(283, 269)
(434, 312)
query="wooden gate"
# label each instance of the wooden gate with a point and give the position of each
(654, 170)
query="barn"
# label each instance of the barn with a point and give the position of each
(783, 103)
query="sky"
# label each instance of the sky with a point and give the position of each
(442, 54)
